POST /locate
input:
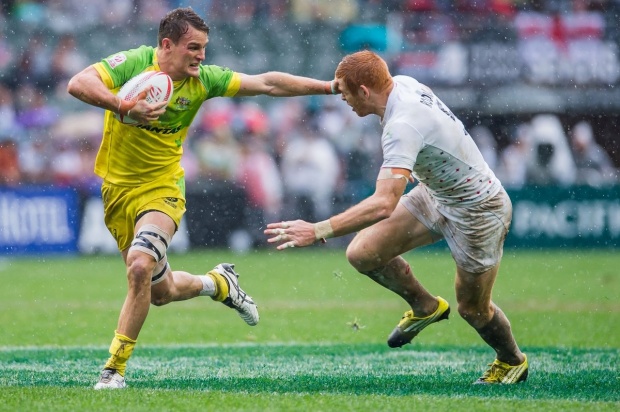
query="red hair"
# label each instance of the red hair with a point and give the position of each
(364, 68)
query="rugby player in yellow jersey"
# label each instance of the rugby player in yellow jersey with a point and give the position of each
(143, 185)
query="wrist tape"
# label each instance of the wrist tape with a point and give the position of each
(323, 230)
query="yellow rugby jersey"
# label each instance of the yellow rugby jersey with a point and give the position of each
(130, 155)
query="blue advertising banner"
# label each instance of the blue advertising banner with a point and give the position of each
(38, 220)
(583, 217)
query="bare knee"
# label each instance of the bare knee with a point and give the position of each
(139, 272)
(360, 260)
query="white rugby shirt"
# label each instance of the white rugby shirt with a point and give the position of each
(422, 135)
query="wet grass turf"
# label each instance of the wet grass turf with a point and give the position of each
(320, 344)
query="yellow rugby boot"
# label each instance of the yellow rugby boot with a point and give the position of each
(503, 373)
(409, 326)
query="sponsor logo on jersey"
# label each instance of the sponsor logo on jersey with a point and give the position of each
(116, 60)
(426, 99)
(162, 130)
(182, 103)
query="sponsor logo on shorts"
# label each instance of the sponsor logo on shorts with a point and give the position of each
(116, 60)
(171, 201)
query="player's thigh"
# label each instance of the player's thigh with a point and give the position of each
(125, 206)
(381, 242)
(164, 196)
(119, 213)
(159, 218)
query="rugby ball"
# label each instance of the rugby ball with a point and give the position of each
(158, 86)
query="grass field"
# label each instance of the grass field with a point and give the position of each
(320, 344)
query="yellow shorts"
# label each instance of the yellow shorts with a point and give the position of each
(123, 205)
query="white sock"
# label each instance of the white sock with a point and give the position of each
(208, 285)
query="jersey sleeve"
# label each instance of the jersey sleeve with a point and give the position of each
(117, 69)
(219, 81)
(401, 144)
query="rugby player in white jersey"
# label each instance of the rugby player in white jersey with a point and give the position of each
(143, 187)
(457, 198)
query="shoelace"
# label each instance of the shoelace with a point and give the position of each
(240, 293)
(495, 372)
(406, 315)
(107, 374)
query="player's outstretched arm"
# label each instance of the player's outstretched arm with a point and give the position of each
(379, 206)
(279, 84)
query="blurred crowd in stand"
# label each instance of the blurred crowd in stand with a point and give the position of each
(541, 153)
(299, 157)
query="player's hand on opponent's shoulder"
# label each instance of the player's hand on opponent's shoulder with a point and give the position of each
(296, 233)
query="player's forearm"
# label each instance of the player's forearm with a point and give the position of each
(371, 210)
(364, 214)
(91, 90)
(286, 85)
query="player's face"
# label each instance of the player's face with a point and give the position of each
(188, 53)
(357, 100)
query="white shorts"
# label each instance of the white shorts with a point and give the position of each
(475, 233)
